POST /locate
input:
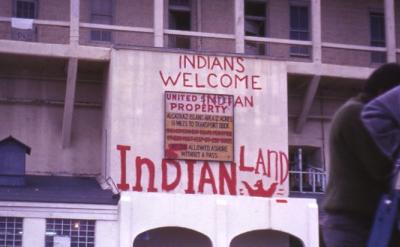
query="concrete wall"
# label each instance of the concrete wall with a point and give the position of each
(32, 95)
(347, 22)
(137, 115)
(339, 19)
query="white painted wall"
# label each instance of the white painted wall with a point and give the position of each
(135, 117)
(220, 218)
(107, 233)
(34, 230)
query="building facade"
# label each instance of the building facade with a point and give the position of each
(82, 84)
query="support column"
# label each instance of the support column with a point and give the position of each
(69, 101)
(239, 26)
(307, 103)
(34, 230)
(74, 22)
(159, 23)
(316, 30)
(390, 31)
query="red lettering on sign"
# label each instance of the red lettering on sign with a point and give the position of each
(150, 167)
(206, 177)
(242, 166)
(284, 164)
(190, 174)
(123, 185)
(260, 162)
(269, 153)
(226, 179)
(173, 170)
(164, 167)
(170, 79)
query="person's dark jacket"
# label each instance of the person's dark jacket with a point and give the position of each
(381, 117)
(359, 172)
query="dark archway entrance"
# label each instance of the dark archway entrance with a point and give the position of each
(262, 238)
(172, 237)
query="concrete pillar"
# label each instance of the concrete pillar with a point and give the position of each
(158, 23)
(69, 101)
(74, 22)
(239, 26)
(34, 232)
(316, 30)
(390, 31)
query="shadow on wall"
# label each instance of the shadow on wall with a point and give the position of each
(183, 237)
(172, 237)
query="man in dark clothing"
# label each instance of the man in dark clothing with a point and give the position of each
(381, 117)
(358, 171)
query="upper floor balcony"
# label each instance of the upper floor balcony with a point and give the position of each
(350, 33)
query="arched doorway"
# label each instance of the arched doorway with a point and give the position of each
(262, 238)
(172, 237)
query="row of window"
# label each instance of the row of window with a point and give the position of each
(59, 232)
(180, 18)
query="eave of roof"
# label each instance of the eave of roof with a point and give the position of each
(57, 189)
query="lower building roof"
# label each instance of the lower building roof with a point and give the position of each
(59, 189)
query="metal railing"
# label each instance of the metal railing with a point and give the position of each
(311, 181)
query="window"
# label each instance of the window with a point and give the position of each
(255, 19)
(10, 232)
(377, 25)
(306, 170)
(299, 29)
(101, 14)
(78, 233)
(180, 15)
(25, 9)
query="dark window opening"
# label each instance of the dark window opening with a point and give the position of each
(299, 30)
(11, 229)
(255, 25)
(76, 232)
(254, 9)
(307, 172)
(25, 9)
(377, 26)
(184, 3)
(180, 18)
(101, 14)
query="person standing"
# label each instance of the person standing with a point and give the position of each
(381, 117)
(358, 171)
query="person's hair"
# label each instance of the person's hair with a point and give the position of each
(381, 80)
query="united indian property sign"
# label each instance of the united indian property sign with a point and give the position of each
(197, 124)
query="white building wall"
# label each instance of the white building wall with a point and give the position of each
(107, 233)
(34, 230)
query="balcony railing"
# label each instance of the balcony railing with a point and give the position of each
(312, 181)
